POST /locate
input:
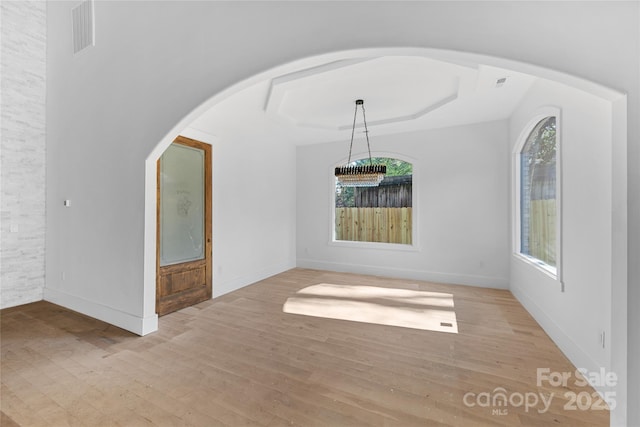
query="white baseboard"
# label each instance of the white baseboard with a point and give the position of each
(569, 348)
(221, 287)
(127, 321)
(430, 276)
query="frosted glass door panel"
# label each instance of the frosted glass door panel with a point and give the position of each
(181, 205)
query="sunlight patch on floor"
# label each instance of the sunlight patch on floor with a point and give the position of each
(433, 311)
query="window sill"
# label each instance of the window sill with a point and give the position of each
(375, 245)
(551, 272)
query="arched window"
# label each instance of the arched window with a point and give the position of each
(538, 194)
(381, 214)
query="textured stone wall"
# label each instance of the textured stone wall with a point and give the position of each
(22, 151)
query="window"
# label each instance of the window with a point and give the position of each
(538, 196)
(377, 214)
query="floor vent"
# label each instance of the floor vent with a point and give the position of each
(83, 26)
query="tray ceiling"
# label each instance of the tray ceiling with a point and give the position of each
(400, 93)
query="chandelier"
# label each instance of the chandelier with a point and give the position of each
(351, 175)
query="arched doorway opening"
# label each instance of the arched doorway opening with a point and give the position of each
(615, 294)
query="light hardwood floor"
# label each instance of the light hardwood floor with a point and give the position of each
(239, 360)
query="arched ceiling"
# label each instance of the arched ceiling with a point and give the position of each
(401, 94)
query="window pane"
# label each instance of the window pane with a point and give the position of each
(538, 193)
(181, 205)
(377, 214)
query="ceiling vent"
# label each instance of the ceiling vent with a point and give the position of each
(501, 81)
(83, 29)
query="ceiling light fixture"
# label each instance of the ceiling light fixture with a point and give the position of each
(354, 175)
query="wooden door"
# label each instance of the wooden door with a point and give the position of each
(183, 267)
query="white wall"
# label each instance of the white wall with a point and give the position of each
(254, 215)
(460, 207)
(22, 128)
(154, 62)
(574, 318)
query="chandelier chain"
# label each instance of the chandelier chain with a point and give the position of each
(366, 132)
(353, 129)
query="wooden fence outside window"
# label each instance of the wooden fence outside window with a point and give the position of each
(383, 225)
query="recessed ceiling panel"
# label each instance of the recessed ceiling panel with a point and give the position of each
(393, 89)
